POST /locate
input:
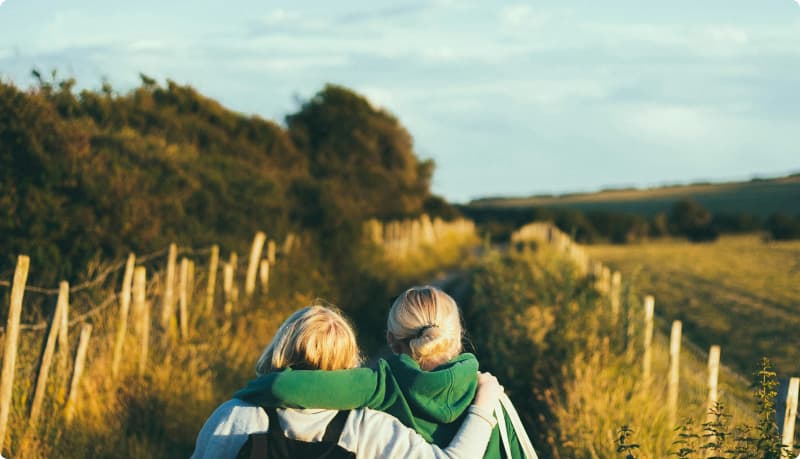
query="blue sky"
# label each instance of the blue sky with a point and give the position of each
(509, 98)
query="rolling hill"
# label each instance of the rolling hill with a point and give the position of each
(759, 197)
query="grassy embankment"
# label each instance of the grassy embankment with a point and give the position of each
(576, 379)
(159, 414)
(738, 292)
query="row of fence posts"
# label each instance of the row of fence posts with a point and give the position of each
(610, 284)
(400, 237)
(132, 302)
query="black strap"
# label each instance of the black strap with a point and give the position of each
(335, 427)
(274, 424)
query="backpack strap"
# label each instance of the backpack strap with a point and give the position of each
(519, 429)
(255, 447)
(501, 425)
(335, 427)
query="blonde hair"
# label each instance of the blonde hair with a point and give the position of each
(428, 320)
(313, 338)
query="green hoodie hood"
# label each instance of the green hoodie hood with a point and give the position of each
(441, 395)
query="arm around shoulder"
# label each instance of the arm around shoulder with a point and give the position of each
(333, 390)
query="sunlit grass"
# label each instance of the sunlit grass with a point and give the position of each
(739, 292)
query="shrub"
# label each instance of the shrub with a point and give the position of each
(690, 219)
(783, 227)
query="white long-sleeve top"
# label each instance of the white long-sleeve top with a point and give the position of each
(367, 433)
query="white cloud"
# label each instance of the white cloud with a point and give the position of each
(280, 15)
(524, 17)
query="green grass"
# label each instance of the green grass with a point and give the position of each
(738, 292)
(757, 197)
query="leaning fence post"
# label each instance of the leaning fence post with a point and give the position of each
(234, 262)
(674, 370)
(213, 266)
(288, 243)
(142, 313)
(190, 283)
(168, 308)
(227, 287)
(713, 378)
(122, 326)
(12, 338)
(183, 298)
(63, 329)
(615, 294)
(80, 360)
(271, 252)
(252, 265)
(263, 274)
(790, 418)
(47, 356)
(647, 355)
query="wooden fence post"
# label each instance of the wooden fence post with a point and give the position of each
(124, 306)
(252, 265)
(263, 274)
(234, 262)
(63, 332)
(213, 267)
(288, 243)
(227, 287)
(168, 308)
(142, 314)
(790, 417)
(47, 356)
(190, 283)
(80, 360)
(615, 294)
(647, 355)
(183, 298)
(12, 338)
(606, 280)
(713, 378)
(271, 252)
(674, 370)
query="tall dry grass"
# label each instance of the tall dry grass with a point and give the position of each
(160, 413)
(575, 372)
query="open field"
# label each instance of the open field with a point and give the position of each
(757, 197)
(738, 292)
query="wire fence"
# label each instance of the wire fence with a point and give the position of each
(98, 280)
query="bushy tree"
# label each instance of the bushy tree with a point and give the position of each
(99, 173)
(689, 218)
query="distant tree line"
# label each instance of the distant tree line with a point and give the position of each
(93, 174)
(685, 218)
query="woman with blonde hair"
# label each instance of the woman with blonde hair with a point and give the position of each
(320, 338)
(428, 383)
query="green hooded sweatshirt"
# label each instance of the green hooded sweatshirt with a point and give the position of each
(434, 403)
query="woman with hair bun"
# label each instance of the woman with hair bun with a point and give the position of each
(428, 384)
